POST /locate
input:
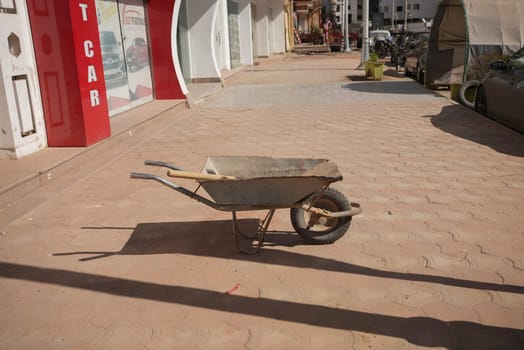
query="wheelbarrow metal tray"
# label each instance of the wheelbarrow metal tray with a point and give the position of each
(264, 182)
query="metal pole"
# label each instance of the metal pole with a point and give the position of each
(346, 27)
(342, 24)
(393, 13)
(365, 34)
(405, 15)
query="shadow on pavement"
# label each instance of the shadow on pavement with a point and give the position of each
(391, 71)
(468, 124)
(404, 87)
(207, 238)
(423, 331)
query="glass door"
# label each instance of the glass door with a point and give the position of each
(125, 53)
(136, 50)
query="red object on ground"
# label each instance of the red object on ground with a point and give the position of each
(233, 289)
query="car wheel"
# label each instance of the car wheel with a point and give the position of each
(420, 75)
(481, 101)
(407, 73)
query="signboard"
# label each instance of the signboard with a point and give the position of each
(90, 69)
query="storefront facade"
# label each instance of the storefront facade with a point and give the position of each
(77, 63)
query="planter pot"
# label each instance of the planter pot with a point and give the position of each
(378, 71)
(374, 69)
(368, 66)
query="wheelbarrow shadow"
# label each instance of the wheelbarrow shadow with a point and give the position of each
(215, 239)
(204, 238)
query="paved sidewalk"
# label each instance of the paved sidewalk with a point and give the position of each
(95, 260)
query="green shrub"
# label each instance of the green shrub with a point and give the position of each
(373, 57)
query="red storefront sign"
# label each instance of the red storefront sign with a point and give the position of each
(90, 70)
(70, 70)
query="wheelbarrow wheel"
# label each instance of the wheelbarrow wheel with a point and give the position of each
(319, 229)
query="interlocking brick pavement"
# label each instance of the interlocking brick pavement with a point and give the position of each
(434, 261)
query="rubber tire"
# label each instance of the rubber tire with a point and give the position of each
(407, 73)
(481, 101)
(420, 75)
(462, 92)
(334, 228)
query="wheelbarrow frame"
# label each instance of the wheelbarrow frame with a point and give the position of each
(305, 203)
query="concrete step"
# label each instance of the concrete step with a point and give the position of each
(306, 49)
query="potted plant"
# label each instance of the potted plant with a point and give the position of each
(373, 67)
(316, 35)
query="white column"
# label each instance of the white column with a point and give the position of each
(346, 27)
(365, 32)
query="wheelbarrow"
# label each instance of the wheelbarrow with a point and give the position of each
(319, 214)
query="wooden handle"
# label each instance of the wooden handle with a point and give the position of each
(197, 176)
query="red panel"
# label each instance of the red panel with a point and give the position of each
(90, 70)
(165, 80)
(62, 71)
(53, 44)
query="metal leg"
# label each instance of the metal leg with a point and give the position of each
(240, 232)
(259, 234)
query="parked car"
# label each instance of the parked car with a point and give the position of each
(500, 94)
(416, 53)
(380, 42)
(379, 35)
(137, 55)
(112, 58)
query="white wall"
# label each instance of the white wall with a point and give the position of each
(279, 31)
(20, 107)
(261, 27)
(200, 16)
(244, 22)
(209, 34)
(221, 37)
(270, 28)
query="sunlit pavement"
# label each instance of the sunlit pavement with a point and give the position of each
(436, 259)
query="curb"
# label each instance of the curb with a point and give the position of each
(11, 195)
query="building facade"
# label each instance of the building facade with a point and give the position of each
(308, 15)
(68, 66)
(354, 13)
(388, 14)
(417, 12)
